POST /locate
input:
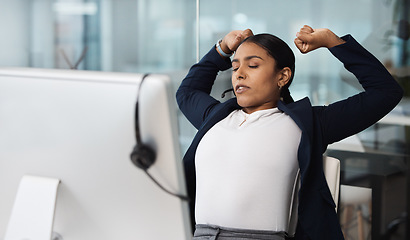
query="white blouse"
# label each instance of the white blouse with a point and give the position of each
(247, 171)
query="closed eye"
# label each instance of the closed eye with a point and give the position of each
(235, 69)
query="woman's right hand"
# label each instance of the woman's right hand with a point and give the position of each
(232, 40)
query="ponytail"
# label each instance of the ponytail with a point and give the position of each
(285, 96)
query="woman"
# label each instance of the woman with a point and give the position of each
(243, 166)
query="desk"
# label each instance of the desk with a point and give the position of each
(377, 171)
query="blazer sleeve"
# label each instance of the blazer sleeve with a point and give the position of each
(354, 114)
(193, 95)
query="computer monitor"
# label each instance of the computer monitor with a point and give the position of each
(78, 126)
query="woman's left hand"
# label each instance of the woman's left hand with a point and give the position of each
(309, 39)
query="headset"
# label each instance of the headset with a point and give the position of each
(226, 91)
(142, 155)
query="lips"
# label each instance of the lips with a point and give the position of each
(241, 88)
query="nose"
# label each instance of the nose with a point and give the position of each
(240, 74)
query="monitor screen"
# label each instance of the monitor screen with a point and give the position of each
(78, 126)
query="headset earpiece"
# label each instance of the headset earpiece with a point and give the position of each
(143, 156)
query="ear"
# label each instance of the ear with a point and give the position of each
(284, 76)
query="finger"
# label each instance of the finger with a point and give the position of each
(247, 33)
(238, 39)
(305, 30)
(302, 46)
(309, 28)
(297, 42)
(231, 35)
(240, 36)
(305, 37)
(235, 42)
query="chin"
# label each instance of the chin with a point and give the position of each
(243, 103)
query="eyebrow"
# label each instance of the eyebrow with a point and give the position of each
(247, 58)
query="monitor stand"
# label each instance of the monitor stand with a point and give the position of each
(32, 215)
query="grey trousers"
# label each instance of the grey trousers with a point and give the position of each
(211, 232)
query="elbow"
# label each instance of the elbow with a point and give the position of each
(398, 93)
(182, 92)
(184, 99)
(180, 96)
(394, 96)
(394, 91)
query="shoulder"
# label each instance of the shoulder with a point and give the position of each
(299, 107)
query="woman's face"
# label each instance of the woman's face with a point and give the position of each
(255, 78)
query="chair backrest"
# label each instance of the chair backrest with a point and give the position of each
(331, 168)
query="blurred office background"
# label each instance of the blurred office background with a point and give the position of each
(163, 36)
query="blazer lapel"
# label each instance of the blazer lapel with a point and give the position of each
(301, 113)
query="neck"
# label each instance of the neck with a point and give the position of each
(250, 110)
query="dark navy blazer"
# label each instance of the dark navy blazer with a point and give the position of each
(320, 125)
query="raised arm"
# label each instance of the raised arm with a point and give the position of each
(354, 114)
(309, 39)
(193, 94)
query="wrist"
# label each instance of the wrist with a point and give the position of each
(222, 49)
(225, 48)
(334, 40)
